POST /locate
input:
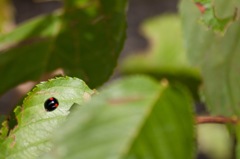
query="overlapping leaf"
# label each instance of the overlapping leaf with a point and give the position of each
(217, 56)
(217, 18)
(165, 57)
(84, 39)
(135, 118)
(36, 126)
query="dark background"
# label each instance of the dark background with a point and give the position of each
(138, 11)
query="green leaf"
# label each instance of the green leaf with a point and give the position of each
(217, 57)
(131, 118)
(238, 143)
(4, 128)
(36, 126)
(84, 39)
(166, 56)
(209, 8)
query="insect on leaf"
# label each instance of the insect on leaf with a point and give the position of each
(36, 125)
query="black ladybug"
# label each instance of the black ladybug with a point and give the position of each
(51, 104)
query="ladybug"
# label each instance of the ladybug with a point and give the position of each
(51, 104)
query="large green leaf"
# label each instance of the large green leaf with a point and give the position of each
(166, 56)
(217, 56)
(134, 118)
(84, 39)
(31, 136)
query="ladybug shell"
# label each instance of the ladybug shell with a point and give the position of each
(51, 104)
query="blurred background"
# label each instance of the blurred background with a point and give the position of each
(214, 145)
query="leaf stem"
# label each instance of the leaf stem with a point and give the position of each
(216, 119)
